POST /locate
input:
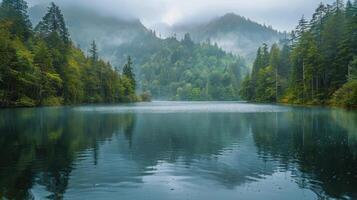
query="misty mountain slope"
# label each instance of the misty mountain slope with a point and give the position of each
(112, 35)
(167, 68)
(233, 33)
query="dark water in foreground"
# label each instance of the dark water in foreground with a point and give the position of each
(172, 150)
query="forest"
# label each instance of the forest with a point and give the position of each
(317, 65)
(41, 66)
(184, 70)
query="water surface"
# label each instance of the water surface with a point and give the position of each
(178, 150)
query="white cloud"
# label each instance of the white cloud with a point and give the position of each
(281, 14)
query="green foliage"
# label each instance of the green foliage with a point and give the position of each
(14, 12)
(46, 69)
(265, 82)
(318, 66)
(346, 96)
(53, 22)
(145, 96)
(128, 72)
(183, 70)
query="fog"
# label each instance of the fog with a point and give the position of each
(281, 14)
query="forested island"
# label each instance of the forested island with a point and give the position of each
(316, 65)
(41, 66)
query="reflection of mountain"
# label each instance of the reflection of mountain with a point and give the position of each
(65, 152)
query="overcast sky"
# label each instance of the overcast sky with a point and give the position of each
(281, 14)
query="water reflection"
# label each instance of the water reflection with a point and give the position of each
(254, 152)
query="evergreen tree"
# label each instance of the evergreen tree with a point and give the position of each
(15, 11)
(128, 72)
(274, 64)
(320, 63)
(53, 22)
(49, 70)
(187, 41)
(93, 51)
(317, 22)
(301, 28)
(49, 82)
(265, 56)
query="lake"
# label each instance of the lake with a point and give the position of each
(178, 150)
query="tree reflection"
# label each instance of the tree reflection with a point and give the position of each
(40, 145)
(324, 152)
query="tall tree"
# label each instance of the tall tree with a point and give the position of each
(53, 22)
(274, 64)
(15, 11)
(187, 41)
(49, 82)
(93, 52)
(128, 72)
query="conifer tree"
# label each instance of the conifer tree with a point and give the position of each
(128, 72)
(53, 22)
(15, 11)
(93, 51)
(274, 64)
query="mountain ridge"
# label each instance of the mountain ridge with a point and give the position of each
(233, 33)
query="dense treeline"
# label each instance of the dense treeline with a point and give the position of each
(184, 70)
(41, 66)
(318, 65)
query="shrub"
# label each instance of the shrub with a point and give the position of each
(346, 96)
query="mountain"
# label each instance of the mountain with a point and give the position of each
(233, 33)
(168, 68)
(113, 35)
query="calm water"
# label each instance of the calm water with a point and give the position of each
(173, 150)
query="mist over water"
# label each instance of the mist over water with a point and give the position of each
(178, 150)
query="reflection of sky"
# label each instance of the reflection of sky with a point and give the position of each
(248, 152)
(118, 176)
(234, 170)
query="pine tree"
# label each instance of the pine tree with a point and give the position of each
(128, 72)
(317, 22)
(15, 11)
(301, 28)
(187, 41)
(258, 63)
(93, 51)
(53, 22)
(265, 55)
(49, 81)
(274, 64)
(338, 6)
(284, 61)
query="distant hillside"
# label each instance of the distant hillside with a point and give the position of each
(231, 32)
(168, 68)
(112, 35)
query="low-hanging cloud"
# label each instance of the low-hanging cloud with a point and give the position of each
(281, 14)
